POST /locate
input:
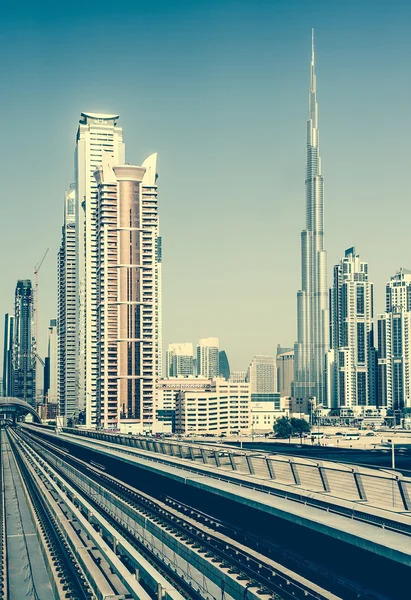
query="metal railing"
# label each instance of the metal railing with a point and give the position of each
(378, 488)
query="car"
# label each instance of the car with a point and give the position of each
(339, 433)
(369, 434)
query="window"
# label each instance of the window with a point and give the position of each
(360, 300)
(396, 336)
(361, 342)
(361, 389)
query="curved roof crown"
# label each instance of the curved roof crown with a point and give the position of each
(98, 116)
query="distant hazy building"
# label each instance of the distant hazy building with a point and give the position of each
(283, 349)
(285, 370)
(262, 375)
(67, 348)
(7, 383)
(180, 360)
(394, 344)
(97, 135)
(352, 334)
(223, 365)
(126, 293)
(238, 376)
(23, 358)
(51, 365)
(207, 357)
(398, 291)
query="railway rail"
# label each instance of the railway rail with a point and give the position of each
(79, 561)
(233, 549)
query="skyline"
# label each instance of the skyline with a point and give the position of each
(237, 141)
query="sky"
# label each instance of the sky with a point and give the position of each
(220, 90)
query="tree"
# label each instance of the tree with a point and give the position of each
(285, 427)
(282, 427)
(300, 426)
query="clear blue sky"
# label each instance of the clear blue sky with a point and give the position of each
(219, 90)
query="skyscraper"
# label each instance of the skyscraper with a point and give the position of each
(394, 344)
(97, 135)
(352, 338)
(51, 364)
(23, 357)
(179, 360)
(158, 293)
(67, 377)
(7, 382)
(312, 299)
(127, 292)
(262, 375)
(207, 357)
(223, 365)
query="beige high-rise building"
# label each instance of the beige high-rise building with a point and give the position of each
(262, 375)
(127, 293)
(207, 357)
(97, 135)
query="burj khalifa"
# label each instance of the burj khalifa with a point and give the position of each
(312, 299)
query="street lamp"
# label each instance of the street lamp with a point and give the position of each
(392, 453)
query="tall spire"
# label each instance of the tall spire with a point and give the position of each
(312, 48)
(312, 299)
(312, 103)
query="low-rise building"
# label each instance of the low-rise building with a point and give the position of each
(202, 405)
(265, 409)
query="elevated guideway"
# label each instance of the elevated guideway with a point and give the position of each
(206, 562)
(367, 537)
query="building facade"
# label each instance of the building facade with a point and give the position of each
(394, 345)
(158, 286)
(352, 335)
(97, 135)
(180, 360)
(23, 354)
(67, 355)
(238, 376)
(207, 357)
(312, 299)
(265, 409)
(219, 407)
(262, 375)
(7, 383)
(127, 293)
(285, 372)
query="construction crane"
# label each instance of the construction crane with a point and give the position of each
(36, 307)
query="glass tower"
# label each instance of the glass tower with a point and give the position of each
(23, 358)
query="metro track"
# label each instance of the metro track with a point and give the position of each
(79, 565)
(235, 549)
(65, 580)
(355, 511)
(184, 531)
